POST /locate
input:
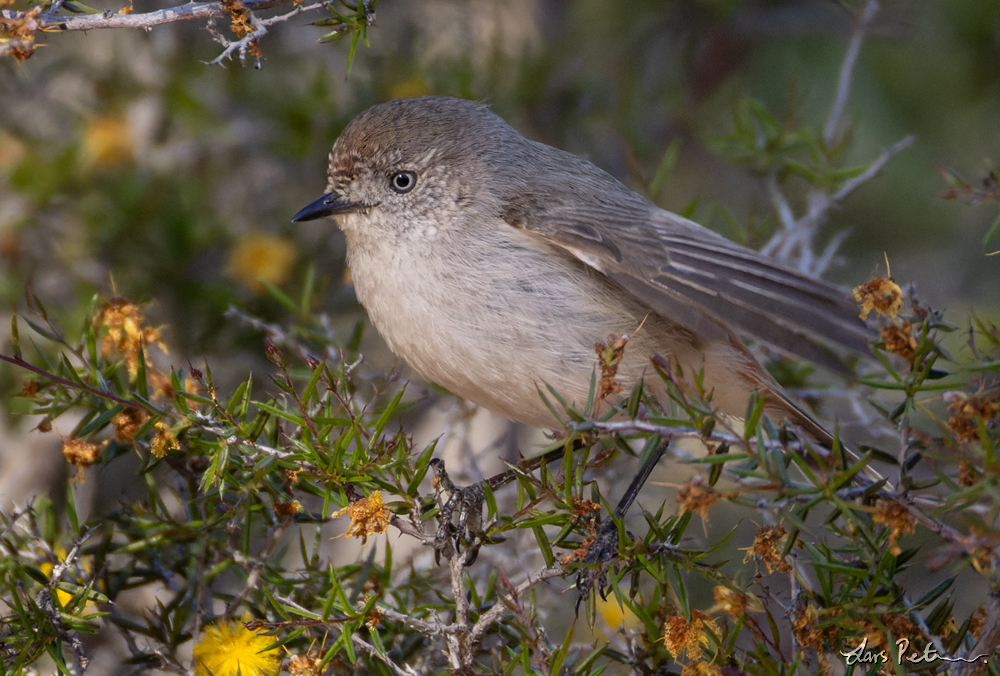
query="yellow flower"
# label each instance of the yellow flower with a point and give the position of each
(107, 142)
(229, 649)
(125, 332)
(261, 258)
(368, 515)
(163, 441)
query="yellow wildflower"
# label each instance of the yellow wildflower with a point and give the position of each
(163, 441)
(230, 649)
(368, 515)
(261, 258)
(125, 333)
(107, 142)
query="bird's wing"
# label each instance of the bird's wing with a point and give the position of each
(690, 274)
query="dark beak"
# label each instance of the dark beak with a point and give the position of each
(327, 205)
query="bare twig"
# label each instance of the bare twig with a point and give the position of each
(975, 660)
(496, 612)
(847, 71)
(194, 10)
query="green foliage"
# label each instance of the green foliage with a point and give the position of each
(764, 556)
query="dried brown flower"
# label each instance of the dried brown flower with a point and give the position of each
(127, 424)
(81, 454)
(966, 412)
(681, 636)
(898, 339)
(896, 518)
(880, 294)
(767, 546)
(696, 497)
(287, 508)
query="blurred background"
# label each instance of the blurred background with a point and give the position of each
(130, 166)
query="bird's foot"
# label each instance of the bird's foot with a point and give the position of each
(602, 550)
(468, 503)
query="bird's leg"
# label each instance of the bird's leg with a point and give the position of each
(604, 547)
(468, 501)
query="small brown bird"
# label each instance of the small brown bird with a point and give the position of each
(493, 265)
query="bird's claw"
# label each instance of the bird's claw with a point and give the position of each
(468, 502)
(602, 551)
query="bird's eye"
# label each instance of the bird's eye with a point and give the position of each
(403, 181)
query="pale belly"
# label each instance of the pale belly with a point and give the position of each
(518, 330)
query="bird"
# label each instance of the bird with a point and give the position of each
(494, 265)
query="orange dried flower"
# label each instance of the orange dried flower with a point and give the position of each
(697, 498)
(127, 424)
(898, 339)
(125, 334)
(977, 621)
(287, 508)
(580, 552)
(966, 411)
(29, 388)
(21, 30)
(609, 357)
(80, 454)
(767, 547)
(239, 15)
(967, 474)
(305, 665)
(734, 603)
(896, 518)
(583, 507)
(681, 636)
(368, 515)
(880, 294)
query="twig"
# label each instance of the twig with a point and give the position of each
(260, 30)
(372, 652)
(147, 20)
(986, 646)
(847, 72)
(853, 184)
(73, 385)
(496, 612)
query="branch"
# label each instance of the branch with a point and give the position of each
(847, 72)
(194, 10)
(975, 660)
(74, 385)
